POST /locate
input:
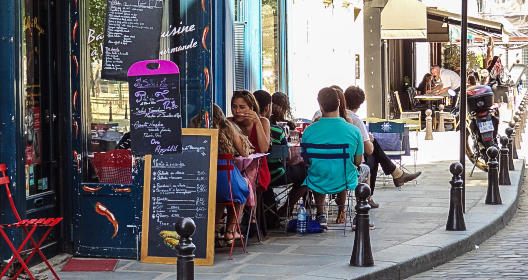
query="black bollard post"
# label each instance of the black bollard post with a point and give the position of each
(511, 136)
(493, 195)
(185, 268)
(504, 175)
(362, 252)
(509, 132)
(455, 220)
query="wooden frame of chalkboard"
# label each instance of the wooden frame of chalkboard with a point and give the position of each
(211, 205)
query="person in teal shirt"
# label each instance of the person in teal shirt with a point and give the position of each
(326, 176)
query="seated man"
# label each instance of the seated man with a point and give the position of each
(327, 176)
(374, 154)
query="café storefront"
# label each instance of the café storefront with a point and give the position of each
(59, 118)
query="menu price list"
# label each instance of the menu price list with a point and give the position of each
(155, 114)
(179, 188)
(132, 33)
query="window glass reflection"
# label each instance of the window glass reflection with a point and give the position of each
(107, 156)
(270, 45)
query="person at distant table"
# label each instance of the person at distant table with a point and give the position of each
(448, 80)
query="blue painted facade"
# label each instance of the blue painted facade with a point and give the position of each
(70, 84)
(9, 113)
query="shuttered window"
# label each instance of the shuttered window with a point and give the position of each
(240, 77)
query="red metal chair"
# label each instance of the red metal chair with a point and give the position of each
(29, 226)
(228, 167)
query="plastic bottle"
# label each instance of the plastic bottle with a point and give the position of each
(301, 219)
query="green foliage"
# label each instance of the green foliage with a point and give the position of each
(452, 58)
(97, 16)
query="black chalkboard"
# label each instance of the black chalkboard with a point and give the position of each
(181, 185)
(155, 114)
(132, 33)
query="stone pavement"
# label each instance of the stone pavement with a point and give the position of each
(503, 256)
(409, 238)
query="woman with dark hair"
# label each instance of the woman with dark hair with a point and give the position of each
(496, 71)
(246, 111)
(246, 115)
(426, 85)
(281, 110)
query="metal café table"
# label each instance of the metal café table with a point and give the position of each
(429, 99)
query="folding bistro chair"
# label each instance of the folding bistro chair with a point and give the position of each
(390, 138)
(228, 167)
(281, 187)
(29, 227)
(321, 154)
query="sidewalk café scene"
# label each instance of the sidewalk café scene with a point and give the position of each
(273, 139)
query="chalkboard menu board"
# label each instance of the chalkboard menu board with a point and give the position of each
(132, 33)
(181, 185)
(155, 114)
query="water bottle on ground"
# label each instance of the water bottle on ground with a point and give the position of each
(301, 219)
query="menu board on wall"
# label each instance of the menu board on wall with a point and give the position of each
(132, 33)
(155, 113)
(181, 185)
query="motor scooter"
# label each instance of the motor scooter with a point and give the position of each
(482, 124)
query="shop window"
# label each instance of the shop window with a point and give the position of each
(106, 109)
(107, 113)
(271, 45)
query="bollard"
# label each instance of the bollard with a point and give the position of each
(509, 132)
(504, 171)
(517, 139)
(362, 252)
(511, 145)
(455, 220)
(520, 115)
(185, 267)
(440, 127)
(493, 195)
(428, 125)
(110, 119)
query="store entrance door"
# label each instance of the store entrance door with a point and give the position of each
(39, 111)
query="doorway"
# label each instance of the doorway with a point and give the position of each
(39, 110)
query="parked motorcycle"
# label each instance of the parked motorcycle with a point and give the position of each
(482, 124)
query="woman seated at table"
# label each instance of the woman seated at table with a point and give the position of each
(426, 85)
(296, 170)
(246, 115)
(230, 141)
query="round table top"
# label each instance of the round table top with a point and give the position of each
(429, 97)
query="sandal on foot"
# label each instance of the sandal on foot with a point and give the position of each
(341, 217)
(230, 240)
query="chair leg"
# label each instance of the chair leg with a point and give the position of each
(239, 231)
(16, 253)
(36, 248)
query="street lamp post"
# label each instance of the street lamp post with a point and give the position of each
(463, 77)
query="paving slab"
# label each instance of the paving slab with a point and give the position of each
(409, 238)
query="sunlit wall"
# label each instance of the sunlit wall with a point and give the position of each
(322, 45)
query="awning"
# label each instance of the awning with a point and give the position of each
(411, 19)
(441, 16)
(404, 19)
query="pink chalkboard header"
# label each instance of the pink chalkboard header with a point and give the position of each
(141, 68)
